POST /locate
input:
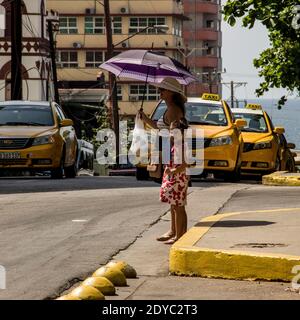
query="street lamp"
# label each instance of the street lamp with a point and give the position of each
(186, 52)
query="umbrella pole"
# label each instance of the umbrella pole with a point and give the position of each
(145, 87)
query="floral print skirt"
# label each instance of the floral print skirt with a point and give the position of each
(174, 189)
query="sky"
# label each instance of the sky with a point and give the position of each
(240, 47)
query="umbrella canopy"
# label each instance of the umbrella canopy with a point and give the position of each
(147, 66)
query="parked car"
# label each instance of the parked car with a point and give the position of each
(85, 158)
(223, 142)
(265, 147)
(37, 136)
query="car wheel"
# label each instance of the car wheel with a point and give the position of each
(71, 172)
(290, 165)
(58, 173)
(278, 164)
(234, 176)
(141, 174)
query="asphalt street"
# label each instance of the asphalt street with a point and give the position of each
(54, 233)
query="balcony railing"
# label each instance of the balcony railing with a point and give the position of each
(205, 34)
(201, 7)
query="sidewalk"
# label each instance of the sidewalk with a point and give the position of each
(277, 230)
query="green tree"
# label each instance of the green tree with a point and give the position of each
(279, 65)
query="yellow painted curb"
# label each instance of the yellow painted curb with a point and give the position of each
(280, 179)
(190, 260)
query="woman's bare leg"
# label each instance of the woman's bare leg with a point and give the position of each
(180, 224)
(172, 232)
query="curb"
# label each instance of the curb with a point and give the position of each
(186, 259)
(281, 178)
(102, 282)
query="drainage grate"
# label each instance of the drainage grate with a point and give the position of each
(259, 245)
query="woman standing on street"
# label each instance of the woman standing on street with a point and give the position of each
(171, 92)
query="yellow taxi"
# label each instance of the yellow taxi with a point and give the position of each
(223, 142)
(36, 136)
(265, 147)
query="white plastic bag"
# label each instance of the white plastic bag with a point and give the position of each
(138, 152)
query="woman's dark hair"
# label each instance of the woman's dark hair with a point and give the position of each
(179, 100)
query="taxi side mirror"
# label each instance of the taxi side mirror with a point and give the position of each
(279, 130)
(66, 123)
(291, 145)
(240, 123)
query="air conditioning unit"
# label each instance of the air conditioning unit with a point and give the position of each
(133, 98)
(124, 10)
(77, 45)
(90, 11)
(125, 44)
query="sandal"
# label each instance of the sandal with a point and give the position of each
(171, 241)
(165, 237)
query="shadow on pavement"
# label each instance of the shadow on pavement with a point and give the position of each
(235, 224)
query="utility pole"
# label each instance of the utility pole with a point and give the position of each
(233, 85)
(53, 60)
(16, 50)
(112, 77)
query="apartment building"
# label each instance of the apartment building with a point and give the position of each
(203, 43)
(81, 43)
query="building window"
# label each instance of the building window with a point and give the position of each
(177, 29)
(94, 59)
(117, 25)
(67, 59)
(137, 92)
(139, 23)
(210, 24)
(94, 25)
(68, 25)
(119, 93)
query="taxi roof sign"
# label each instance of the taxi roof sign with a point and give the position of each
(211, 96)
(254, 106)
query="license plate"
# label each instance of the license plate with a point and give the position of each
(10, 155)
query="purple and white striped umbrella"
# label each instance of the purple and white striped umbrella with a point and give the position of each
(147, 66)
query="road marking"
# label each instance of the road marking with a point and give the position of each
(264, 211)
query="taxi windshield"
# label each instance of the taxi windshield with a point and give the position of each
(26, 115)
(198, 113)
(255, 122)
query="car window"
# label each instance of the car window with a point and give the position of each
(24, 115)
(198, 113)
(255, 122)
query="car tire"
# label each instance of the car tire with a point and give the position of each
(58, 173)
(278, 164)
(234, 176)
(141, 174)
(71, 172)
